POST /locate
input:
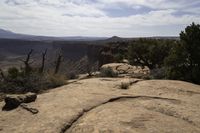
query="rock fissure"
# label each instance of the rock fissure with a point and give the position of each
(30, 109)
(170, 114)
(85, 111)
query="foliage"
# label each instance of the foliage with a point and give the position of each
(190, 39)
(113, 52)
(13, 73)
(149, 52)
(29, 78)
(183, 63)
(16, 81)
(158, 73)
(118, 58)
(124, 85)
(175, 63)
(108, 72)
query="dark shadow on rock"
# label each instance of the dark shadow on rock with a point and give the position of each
(9, 107)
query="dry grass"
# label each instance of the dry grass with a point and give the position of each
(2, 96)
(124, 85)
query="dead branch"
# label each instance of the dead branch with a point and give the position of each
(2, 74)
(27, 62)
(58, 62)
(41, 70)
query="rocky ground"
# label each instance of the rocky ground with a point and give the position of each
(99, 105)
(126, 70)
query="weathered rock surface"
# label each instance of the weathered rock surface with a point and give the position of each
(13, 101)
(124, 68)
(98, 105)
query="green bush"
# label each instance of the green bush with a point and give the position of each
(183, 62)
(158, 73)
(118, 57)
(108, 72)
(149, 52)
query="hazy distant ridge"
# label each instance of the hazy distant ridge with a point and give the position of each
(5, 34)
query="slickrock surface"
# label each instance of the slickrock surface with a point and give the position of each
(98, 105)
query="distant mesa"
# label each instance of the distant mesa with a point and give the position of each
(115, 37)
(6, 34)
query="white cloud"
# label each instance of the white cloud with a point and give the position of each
(155, 4)
(81, 17)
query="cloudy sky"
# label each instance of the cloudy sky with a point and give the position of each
(125, 18)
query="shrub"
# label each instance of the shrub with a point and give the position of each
(183, 61)
(118, 57)
(158, 73)
(2, 96)
(124, 85)
(13, 72)
(149, 52)
(108, 72)
(56, 80)
(72, 75)
(17, 82)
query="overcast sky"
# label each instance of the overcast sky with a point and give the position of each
(125, 18)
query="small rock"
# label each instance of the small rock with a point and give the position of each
(13, 101)
(125, 61)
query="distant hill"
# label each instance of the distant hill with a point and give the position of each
(5, 34)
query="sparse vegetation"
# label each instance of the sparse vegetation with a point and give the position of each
(158, 73)
(29, 79)
(124, 85)
(72, 75)
(15, 81)
(2, 96)
(108, 72)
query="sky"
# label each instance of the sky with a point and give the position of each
(100, 18)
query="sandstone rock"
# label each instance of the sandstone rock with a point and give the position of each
(123, 68)
(97, 105)
(13, 101)
(125, 61)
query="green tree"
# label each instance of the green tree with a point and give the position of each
(191, 42)
(149, 52)
(175, 63)
(184, 59)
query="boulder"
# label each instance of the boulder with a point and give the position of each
(124, 68)
(13, 101)
(97, 105)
